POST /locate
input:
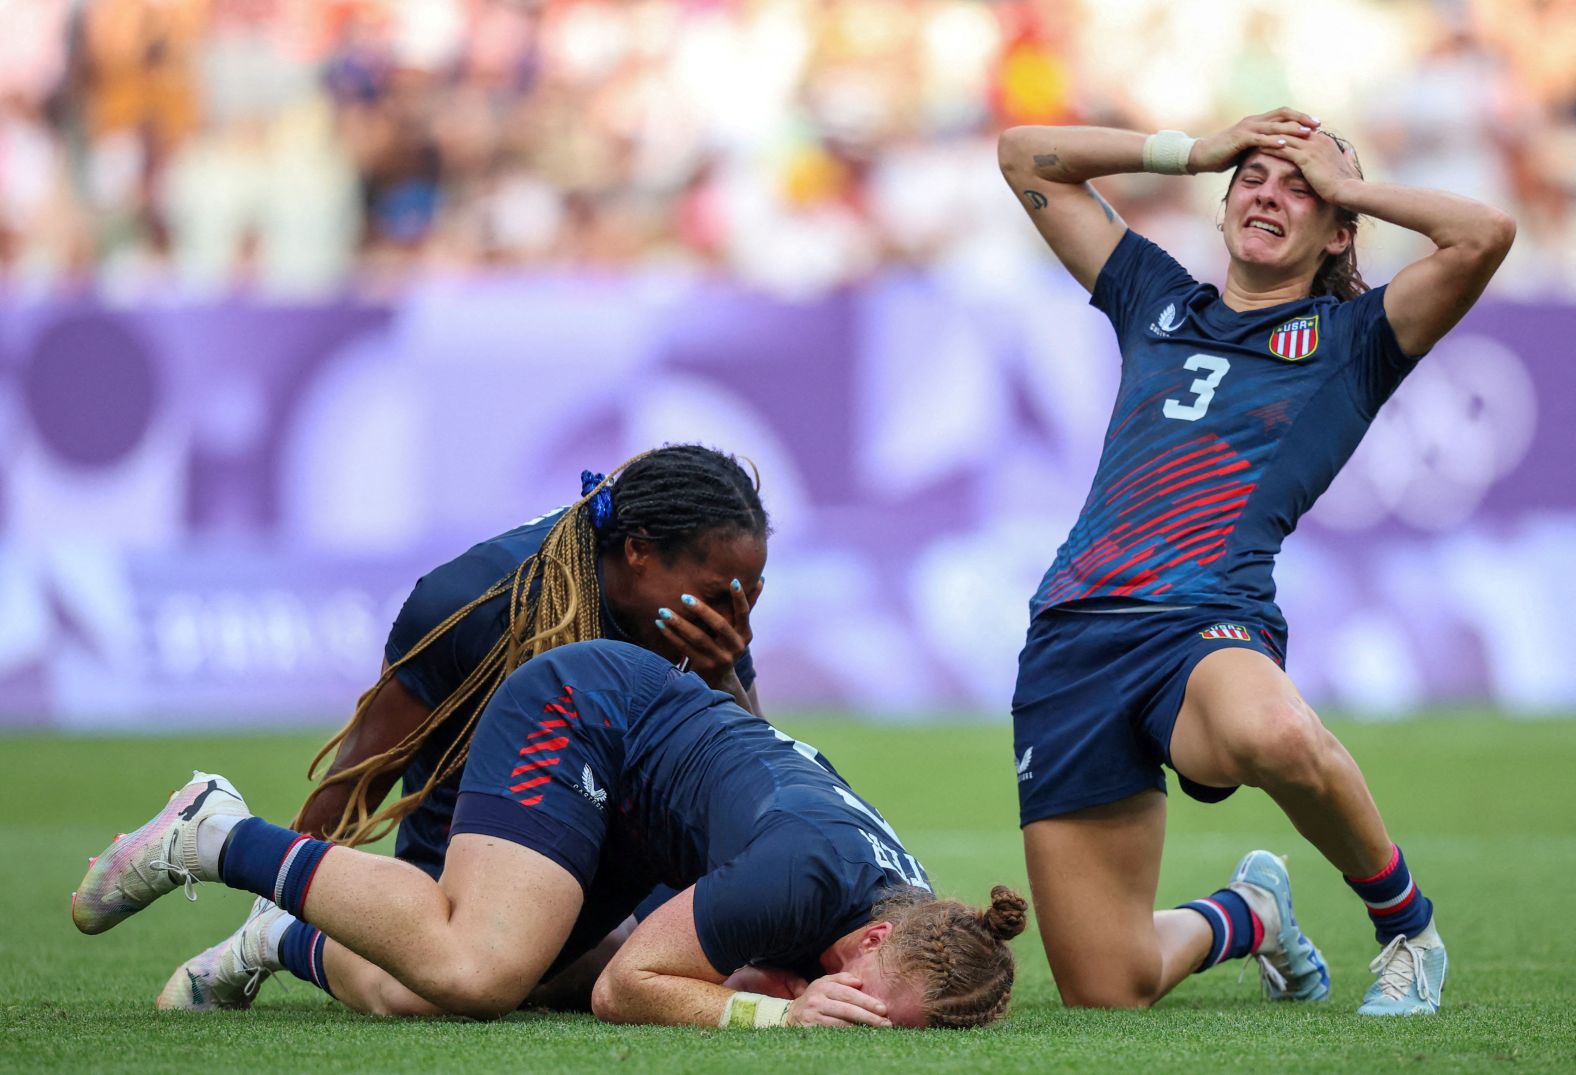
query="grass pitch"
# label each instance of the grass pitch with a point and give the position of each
(1483, 807)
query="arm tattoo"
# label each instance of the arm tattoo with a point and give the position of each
(1110, 214)
(1036, 199)
(1047, 161)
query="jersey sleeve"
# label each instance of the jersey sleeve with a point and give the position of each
(435, 672)
(773, 904)
(1134, 279)
(1377, 364)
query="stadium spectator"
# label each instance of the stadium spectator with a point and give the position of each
(302, 149)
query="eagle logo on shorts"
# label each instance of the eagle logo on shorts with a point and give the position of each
(1233, 631)
(589, 789)
(1296, 339)
(1024, 772)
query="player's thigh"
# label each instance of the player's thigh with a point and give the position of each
(1094, 874)
(512, 910)
(1240, 716)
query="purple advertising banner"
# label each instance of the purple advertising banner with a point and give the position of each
(210, 515)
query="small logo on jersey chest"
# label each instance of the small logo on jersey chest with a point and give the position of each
(1169, 321)
(1296, 339)
(1227, 630)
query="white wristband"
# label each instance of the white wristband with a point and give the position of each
(1166, 152)
(754, 1010)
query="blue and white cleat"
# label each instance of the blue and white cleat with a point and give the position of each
(138, 868)
(1411, 974)
(1290, 967)
(227, 976)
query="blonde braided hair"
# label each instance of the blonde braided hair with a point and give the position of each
(567, 607)
(958, 954)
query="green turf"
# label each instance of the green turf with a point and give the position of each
(1484, 807)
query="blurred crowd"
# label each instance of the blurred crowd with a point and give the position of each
(302, 148)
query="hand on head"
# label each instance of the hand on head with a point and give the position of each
(1324, 162)
(838, 1000)
(1268, 131)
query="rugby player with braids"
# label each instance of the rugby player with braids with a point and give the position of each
(586, 749)
(666, 552)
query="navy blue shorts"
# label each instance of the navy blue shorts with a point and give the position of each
(1098, 695)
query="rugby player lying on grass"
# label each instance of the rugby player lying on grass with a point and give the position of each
(666, 552)
(598, 769)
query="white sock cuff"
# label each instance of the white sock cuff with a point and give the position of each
(212, 831)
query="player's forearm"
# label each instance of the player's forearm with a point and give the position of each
(640, 996)
(323, 809)
(391, 717)
(1449, 221)
(1069, 154)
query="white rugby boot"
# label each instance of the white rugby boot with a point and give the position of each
(139, 867)
(227, 976)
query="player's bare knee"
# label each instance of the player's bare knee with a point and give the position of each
(1108, 995)
(1139, 988)
(476, 989)
(1288, 747)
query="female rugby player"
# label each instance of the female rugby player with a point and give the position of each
(1154, 636)
(588, 746)
(667, 554)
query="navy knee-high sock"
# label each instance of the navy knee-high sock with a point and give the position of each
(1396, 905)
(271, 861)
(1235, 931)
(301, 953)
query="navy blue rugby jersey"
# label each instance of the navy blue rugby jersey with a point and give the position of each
(1227, 427)
(439, 669)
(785, 857)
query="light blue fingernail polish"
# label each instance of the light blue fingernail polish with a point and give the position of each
(687, 599)
(665, 613)
(734, 586)
(662, 625)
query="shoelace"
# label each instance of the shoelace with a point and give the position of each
(1272, 983)
(1395, 980)
(189, 880)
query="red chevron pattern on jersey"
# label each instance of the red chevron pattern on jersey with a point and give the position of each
(552, 734)
(1157, 525)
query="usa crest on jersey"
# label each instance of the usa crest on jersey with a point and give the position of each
(1227, 630)
(1297, 338)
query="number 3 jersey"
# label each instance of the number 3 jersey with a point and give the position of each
(1227, 427)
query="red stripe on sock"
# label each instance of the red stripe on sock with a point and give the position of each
(286, 856)
(1411, 896)
(311, 958)
(1395, 858)
(1258, 931)
(307, 888)
(1226, 920)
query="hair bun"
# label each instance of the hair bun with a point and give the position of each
(1007, 914)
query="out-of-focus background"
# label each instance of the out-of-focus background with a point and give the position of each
(299, 298)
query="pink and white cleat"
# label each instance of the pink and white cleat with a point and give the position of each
(141, 866)
(226, 977)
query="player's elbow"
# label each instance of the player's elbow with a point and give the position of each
(610, 996)
(1012, 152)
(1489, 237)
(1500, 232)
